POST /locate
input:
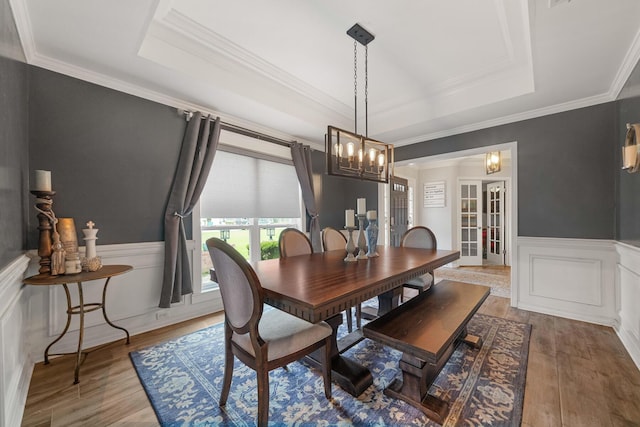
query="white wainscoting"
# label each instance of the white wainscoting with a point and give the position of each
(572, 278)
(132, 302)
(628, 301)
(591, 280)
(16, 366)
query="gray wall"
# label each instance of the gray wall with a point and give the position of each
(14, 143)
(566, 170)
(14, 147)
(112, 156)
(336, 194)
(628, 194)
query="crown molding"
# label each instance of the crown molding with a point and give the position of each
(201, 41)
(80, 73)
(23, 24)
(33, 57)
(628, 64)
(531, 114)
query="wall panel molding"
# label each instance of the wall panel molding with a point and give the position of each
(572, 278)
(16, 366)
(132, 302)
(627, 299)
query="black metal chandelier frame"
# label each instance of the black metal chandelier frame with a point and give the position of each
(350, 154)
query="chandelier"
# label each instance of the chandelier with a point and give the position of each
(350, 154)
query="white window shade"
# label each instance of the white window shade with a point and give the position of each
(241, 186)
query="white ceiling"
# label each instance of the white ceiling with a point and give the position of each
(285, 67)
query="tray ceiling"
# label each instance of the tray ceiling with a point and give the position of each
(285, 67)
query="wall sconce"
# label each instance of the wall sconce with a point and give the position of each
(493, 162)
(631, 149)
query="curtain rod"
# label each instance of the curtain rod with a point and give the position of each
(244, 131)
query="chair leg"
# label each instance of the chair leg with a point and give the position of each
(359, 316)
(226, 379)
(349, 320)
(326, 367)
(263, 395)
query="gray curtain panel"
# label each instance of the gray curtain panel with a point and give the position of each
(196, 156)
(301, 155)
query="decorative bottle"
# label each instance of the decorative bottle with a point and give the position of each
(372, 234)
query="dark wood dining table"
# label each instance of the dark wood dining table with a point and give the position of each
(321, 286)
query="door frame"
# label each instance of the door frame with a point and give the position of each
(511, 183)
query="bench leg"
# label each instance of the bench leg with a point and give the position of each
(417, 377)
(471, 340)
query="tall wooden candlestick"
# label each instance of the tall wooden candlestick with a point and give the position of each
(44, 201)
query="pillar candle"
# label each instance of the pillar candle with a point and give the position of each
(349, 219)
(372, 215)
(43, 181)
(362, 206)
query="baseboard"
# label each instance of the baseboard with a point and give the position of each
(597, 320)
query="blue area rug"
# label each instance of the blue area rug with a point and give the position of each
(183, 377)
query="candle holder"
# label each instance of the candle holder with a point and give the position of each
(350, 247)
(362, 241)
(44, 202)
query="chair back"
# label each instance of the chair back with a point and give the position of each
(294, 242)
(242, 296)
(419, 237)
(332, 239)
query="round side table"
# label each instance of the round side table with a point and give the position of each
(105, 272)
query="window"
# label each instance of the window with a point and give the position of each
(249, 198)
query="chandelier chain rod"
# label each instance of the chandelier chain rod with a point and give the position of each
(366, 91)
(355, 84)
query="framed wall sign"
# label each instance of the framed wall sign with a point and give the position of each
(434, 194)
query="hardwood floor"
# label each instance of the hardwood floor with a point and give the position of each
(578, 374)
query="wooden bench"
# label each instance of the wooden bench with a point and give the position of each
(426, 329)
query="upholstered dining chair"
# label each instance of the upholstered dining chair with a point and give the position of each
(262, 340)
(419, 237)
(332, 240)
(294, 242)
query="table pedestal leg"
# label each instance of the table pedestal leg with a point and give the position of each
(387, 301)
(350, 375)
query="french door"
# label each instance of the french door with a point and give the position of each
(470, 220)
(495, 218)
